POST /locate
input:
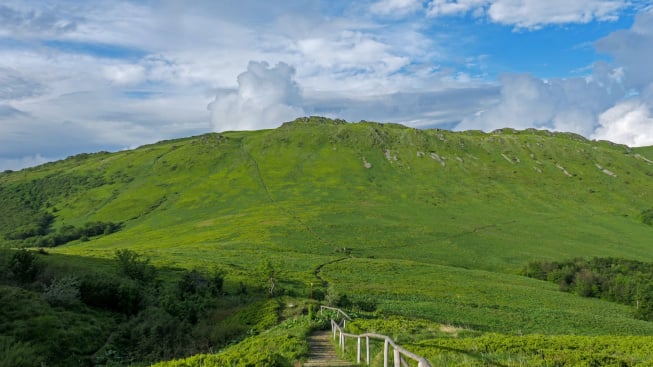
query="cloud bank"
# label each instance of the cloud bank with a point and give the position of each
(531, 14)
(614, 103)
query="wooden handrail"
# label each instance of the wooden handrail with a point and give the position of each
(344, 314)
(398, 351)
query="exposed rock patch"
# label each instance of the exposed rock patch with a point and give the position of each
(639, 156)
(367, 164)
(563, 170)
(436, 157)
(389, 156)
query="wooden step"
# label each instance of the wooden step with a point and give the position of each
(322, 352)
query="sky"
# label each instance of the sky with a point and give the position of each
(85, 76)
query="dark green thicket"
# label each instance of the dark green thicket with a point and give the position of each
(619, 280)
(647, 217)
(27, 210)
(82, 316)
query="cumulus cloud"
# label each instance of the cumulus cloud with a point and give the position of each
(266, 96)
(557, 104)
(531, 13)
(614, 103)
(629, 122)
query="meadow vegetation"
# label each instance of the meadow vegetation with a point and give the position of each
(380, 218)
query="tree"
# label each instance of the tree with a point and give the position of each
(216, 281)
(270, 274)
(135, 266)
(24, 266)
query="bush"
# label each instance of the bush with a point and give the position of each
(647, 217)
(135, 266)
(24, 266)
(119, 295)
(17, 354)
(63, 291)
(366, 304)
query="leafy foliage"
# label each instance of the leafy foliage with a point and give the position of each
(647, 217)
(63, 291)
(135, 265)
(24, 266)
(620, 280)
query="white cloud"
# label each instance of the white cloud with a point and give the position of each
(531, 13)
(396, 7)
(536, 13)
(558, 104)
(633, 50)
(266, 97)
(456, 7)
(629, 122)
(614, 103)
(125, 74)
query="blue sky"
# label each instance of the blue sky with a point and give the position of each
(109, 75)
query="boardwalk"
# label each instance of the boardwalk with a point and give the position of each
(322, 353)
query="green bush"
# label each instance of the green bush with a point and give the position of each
(111, 293)
(647, 217)
(17, 354)
(24, 266)
(63, 291)
(135, 266)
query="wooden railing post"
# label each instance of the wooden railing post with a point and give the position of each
(367, 349)
(358, 352)
(398, 353)
(385, 353)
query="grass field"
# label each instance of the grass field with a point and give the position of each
(431, 224)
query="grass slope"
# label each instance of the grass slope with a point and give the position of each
(436, 223)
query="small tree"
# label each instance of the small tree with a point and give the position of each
(191, 282)
(63, 291)
(24, 266)
(270, 275)
(135, 266)
(216, 281)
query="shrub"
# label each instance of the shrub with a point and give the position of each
(63, 291)
(24, 266)
(647, 217)
(135, 265)
(120, 295)
(18, 354)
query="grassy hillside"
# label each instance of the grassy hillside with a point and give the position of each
(428, 223)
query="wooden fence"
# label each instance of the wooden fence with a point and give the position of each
(399, 354)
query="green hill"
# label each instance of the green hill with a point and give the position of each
(428, 223)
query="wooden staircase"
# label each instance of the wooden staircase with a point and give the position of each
(322, 353)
